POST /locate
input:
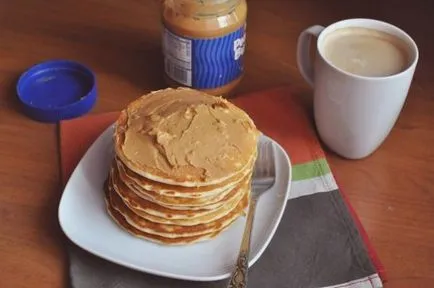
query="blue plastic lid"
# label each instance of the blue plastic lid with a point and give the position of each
(55, 90)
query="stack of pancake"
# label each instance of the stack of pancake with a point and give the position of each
(182, 167)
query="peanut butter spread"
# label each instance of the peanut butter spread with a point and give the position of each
(186, 135)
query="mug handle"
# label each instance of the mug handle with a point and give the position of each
(304, 62)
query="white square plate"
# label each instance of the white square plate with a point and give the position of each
(84, 220)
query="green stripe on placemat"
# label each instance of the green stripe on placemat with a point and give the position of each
(310, 169)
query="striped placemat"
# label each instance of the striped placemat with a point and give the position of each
(320, 241)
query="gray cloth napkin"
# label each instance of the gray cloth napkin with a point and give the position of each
(316, 245)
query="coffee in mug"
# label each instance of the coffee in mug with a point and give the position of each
(361, 77)
(366, 52)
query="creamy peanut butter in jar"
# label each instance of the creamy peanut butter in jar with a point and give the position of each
(203, 43)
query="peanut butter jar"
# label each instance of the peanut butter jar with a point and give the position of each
(204, 43)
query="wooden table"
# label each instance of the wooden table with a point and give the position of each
(392, 191)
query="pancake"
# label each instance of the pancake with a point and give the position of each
(175, 231)
(181, 191)
(149, 207)
(119, 219)
(135, 205)
(179, 203)
(213, 216)
(139, 203)
(185, 137)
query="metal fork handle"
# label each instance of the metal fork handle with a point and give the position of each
(239, 276)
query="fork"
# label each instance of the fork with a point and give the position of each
(264, 175)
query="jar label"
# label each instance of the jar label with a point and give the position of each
(204, 63)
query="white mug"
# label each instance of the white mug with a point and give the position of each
(354, 114)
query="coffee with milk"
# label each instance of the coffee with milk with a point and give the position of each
(361, 76)
(366, 52)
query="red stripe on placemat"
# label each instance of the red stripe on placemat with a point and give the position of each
(279, 115)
